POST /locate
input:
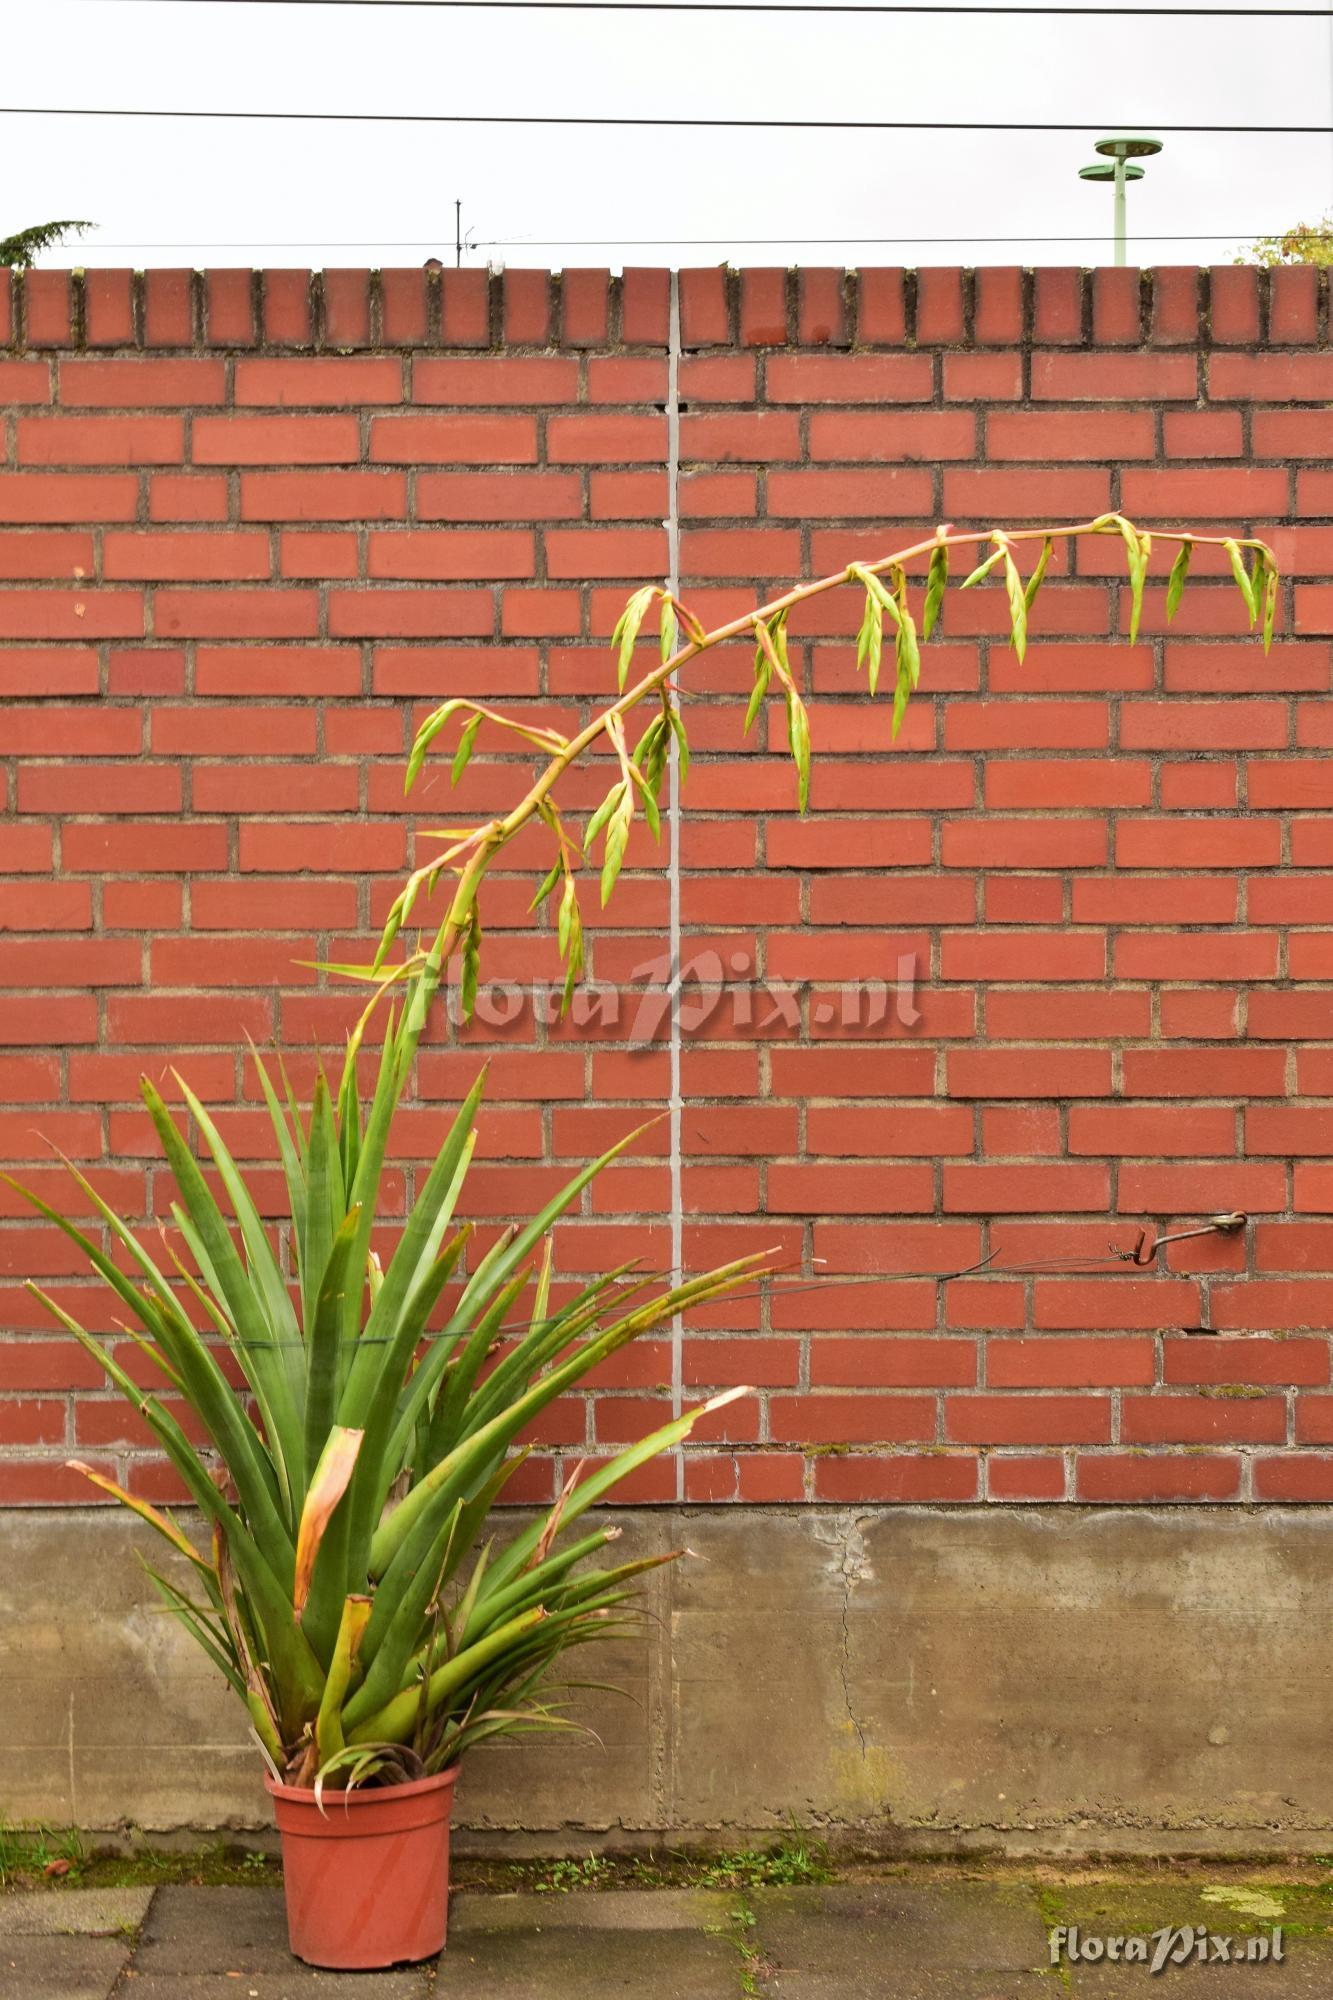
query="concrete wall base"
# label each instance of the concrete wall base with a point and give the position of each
(1055, 1680)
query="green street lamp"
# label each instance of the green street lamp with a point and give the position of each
(1118, 166)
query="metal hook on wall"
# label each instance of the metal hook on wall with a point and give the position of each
(1147, 1246)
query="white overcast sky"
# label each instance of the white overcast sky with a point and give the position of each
(206, 192)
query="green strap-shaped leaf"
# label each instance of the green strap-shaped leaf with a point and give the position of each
(417, 1250)
(265, 1274)
(667, 630)
(1038, 576)
(446, 1424)
(324, 1200)
(1270, 605)
(455, 1467)
(293, 1166)
(146, 1310)
(937, 579)
(210, 1394)
(626, 633)
(1258, 580)
(982, 570)
(532, 1585)
(497, 1269)
(603, 813)
(870, 641)
(463, 754)
(394, 1722)
(798, 739)
(349, 1105)
(902, 694)
(383, 1452)
(1175, 587)
(601, 1480)
(1018, 605)
(324, 1340)
(1137, 577)
(328, 1722)
(763, 674)
(403, 1616)
(463, 1520)
(205, 1634)
(295, 1673)
(570, 928)
(332, 1477)
(545, 1337)
(426, 735)
(907, 645)
(549, 881)
(466, 1604)
(155, 1519)
(395, 1063)
(616, 841)
(643, 785)
(470, 955)
(322, 1544)
(1137, 550)
(233, 1285)
(1243, 583)
(677, 726)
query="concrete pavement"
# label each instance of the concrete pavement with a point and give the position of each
(890, 1939)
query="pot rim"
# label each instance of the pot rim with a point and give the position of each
(375, 1795)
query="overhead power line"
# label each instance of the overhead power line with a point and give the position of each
(671, 242)
(775, 242)
(788, 7)
(650, 121)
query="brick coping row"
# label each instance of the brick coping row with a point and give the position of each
(337, 310)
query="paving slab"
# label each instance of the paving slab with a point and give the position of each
(890, 1940)
(848, 1930)
(882, 1982)
(73, 1913)
(589, 1965)
(44, 1966)
(298, 1982)
(223, 1944)
(1105, 1908)
(1301, 1976)
(202, 1930)
(591, 1910)
(1235, 1910)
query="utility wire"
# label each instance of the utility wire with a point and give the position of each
(1115, 1264)
(666, 242)
(706, 242)
(655, 122)
(791, 7)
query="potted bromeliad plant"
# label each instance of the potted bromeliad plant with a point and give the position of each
(351, 1586)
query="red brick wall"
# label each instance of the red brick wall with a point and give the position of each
(254, 525)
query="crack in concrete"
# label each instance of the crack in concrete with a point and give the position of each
(851, 1566)
(73, 1789)
(842, 1667)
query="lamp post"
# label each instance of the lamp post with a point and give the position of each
(1118, 166)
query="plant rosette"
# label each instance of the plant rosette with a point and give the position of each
(352, 1592)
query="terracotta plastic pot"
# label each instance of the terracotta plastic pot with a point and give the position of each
(367, 1879)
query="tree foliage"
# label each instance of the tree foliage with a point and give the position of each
(1305, 243)
(21, 250)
